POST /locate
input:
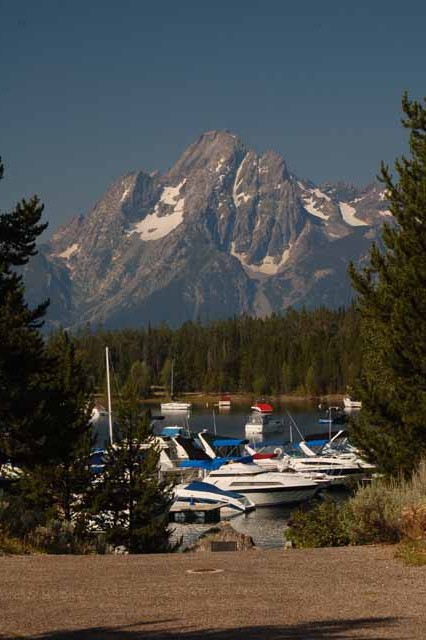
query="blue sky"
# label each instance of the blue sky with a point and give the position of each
(92, 90)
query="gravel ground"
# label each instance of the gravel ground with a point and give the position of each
(359, 592)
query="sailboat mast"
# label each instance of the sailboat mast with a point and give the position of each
(111, 438)
(171, 381)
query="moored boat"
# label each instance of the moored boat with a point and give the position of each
(263, 487)
(173, 407)
(348, 403)
(259, 423)
(198, 492)
(224, 402)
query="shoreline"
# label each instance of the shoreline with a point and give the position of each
(200, 398)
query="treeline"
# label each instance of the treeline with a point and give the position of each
(300, 352)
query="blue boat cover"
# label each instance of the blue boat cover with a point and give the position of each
(316, 443)
(228, 442)
(211, 465)
(172, 431)
(197, 485)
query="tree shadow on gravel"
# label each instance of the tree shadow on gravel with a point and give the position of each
(359, 628)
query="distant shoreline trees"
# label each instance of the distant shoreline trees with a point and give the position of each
(298, 352)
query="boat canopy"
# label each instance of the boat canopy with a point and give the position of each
(171, 431)
(211, 465)
(197, 485)
(317, 443)
(229, 442)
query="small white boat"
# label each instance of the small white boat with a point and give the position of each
(348, 403)
(224, 402)
(173, 407)
(198, 492)
(263, 487)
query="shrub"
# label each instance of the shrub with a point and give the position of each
(374, 514)
(385, 511)
(412, 552)
(322, 525)
(388, 510)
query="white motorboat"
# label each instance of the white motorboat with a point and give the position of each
(337, 459)
(224, 402)
(339, 467)
(348, 403)
(173, 407)
(198, 492)
(263, 487)
(259, 423)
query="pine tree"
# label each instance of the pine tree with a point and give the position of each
(139, 379)
(21, 345)
(392, 301)
(67, 425)
(131, 503)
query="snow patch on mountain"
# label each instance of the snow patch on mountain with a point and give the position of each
(321, 195)
(311, 208)
(220, 164)
(68, 252)
(170, 194)
(349, 215)
(154, 226)
(237, 182)
(125, 194)
(311, 198)
(268, 266)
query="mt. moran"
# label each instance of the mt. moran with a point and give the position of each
(224, 232)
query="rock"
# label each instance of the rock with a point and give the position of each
(223, 533)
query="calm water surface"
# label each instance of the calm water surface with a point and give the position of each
(298, 418)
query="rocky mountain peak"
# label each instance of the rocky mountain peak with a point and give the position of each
(225, 231)
(212, 151)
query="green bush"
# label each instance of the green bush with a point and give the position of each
(322, 525)
(373, 515)
(385, 511)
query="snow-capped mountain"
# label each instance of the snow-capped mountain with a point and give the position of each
(226, 231)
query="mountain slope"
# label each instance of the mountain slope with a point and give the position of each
(226, 231)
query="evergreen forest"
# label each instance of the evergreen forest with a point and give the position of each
(300, 352)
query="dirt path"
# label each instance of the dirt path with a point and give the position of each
(310, 595)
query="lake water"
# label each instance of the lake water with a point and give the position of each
(299, 419)
(265, 525)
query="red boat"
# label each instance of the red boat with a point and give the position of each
(262, 407)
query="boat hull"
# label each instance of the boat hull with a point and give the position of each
(352, 404)
(258, 426)
(173, 407)
(278, 497)
(207, 493)
(273, 496)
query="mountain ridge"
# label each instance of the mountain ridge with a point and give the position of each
(224, 231)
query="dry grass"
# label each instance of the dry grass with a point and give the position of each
(412, 552)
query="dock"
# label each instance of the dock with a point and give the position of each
(185, 512)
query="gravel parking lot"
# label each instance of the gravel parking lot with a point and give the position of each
(359, 592)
